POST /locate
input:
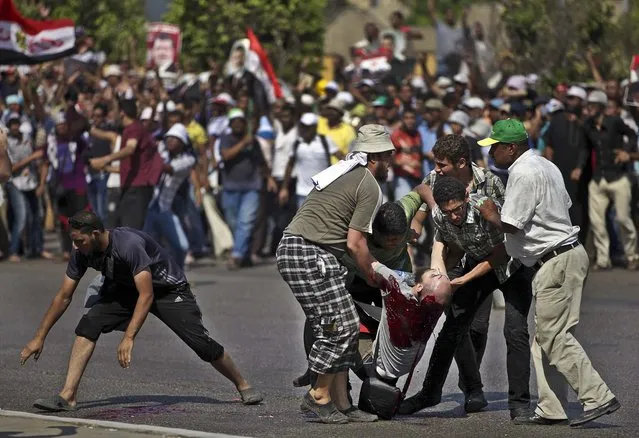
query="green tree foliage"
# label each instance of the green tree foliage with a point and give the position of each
(115, 25)
(290, 30)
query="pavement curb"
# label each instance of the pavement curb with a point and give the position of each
(139, 428)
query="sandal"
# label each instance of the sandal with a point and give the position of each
(251, 397)
(54, 404)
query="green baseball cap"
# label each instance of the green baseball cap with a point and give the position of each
(505, 131)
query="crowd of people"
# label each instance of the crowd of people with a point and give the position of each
(363, 178)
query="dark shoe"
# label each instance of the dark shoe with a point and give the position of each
(475, 402)
(537, 420)
(328, 413)
(54, 404)
(520, 412)
(593, 414)
(356, 416)
(418, 402)
(303, 380)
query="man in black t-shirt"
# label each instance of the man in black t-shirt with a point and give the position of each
(140, 278)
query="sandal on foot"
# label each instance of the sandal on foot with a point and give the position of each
(251, 397)
(327, 414)
(54, 404)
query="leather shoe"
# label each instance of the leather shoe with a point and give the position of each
(475, 402)
(536, 419)
(520, 412)
(418, 402)
(593, 414)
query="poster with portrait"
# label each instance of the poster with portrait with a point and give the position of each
(163, 45)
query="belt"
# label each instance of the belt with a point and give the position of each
(554, 253)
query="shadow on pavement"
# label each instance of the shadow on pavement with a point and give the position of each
(64, 431)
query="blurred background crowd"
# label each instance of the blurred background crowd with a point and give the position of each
(226, 147)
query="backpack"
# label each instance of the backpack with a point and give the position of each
(324, 144)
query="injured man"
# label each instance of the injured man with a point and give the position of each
(412, 305)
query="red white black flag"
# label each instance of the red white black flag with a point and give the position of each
(25, 41)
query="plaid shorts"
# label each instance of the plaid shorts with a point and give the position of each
(318, 282)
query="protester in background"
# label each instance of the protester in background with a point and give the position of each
(139, 167)
(408, 158)
(242, 172)
(311, 153)
(68, 183)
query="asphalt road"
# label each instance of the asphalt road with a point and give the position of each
(255, 316)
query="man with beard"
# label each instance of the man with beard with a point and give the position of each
(141, 278)
(334, 221)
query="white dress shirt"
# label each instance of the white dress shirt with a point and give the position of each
(537, 204)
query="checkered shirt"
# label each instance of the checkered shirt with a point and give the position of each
(485, 183)
(475, 236)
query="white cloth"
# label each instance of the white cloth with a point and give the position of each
(537, 204)
(113, 182)
(328, 176)
(310, 159)
(282, 150)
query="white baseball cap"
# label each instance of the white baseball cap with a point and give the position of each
(459, 117)
(474, 103)
(308, 119)
(579, 92)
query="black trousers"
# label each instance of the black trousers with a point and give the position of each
(132, 207)
(175, 307)
(459, 317)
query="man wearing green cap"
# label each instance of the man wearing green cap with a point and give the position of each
(539, 233)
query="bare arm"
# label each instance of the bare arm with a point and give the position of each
(144, 285)
(26, 161)
(417, 224)
(57, 308)
(232, 152)
(496, 258)
(358, 249)
(437, 256)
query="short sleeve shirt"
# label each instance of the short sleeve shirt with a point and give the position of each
(475, 236)
(351, 201)
(129, 252)
(139, 169)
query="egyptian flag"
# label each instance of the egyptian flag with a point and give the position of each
(261, 67)
(25, 41)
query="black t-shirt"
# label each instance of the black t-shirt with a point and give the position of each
(130, 252)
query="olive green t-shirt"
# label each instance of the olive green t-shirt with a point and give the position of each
(393, 258)
(351, 201)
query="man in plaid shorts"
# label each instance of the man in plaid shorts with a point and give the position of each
(486, 267)
(334, 221)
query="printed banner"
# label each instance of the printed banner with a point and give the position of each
(163, 45)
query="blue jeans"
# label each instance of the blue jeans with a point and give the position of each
(26, 214)
(191, 219)
(240, 211)
(97, 193)
(403, 186)
(165, 225)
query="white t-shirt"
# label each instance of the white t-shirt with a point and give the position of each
(310, 159)
(537, 203)
(282, 150)
(114, 178)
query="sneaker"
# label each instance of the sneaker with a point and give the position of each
(475, 402)
(356, 416)
(327, 414)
